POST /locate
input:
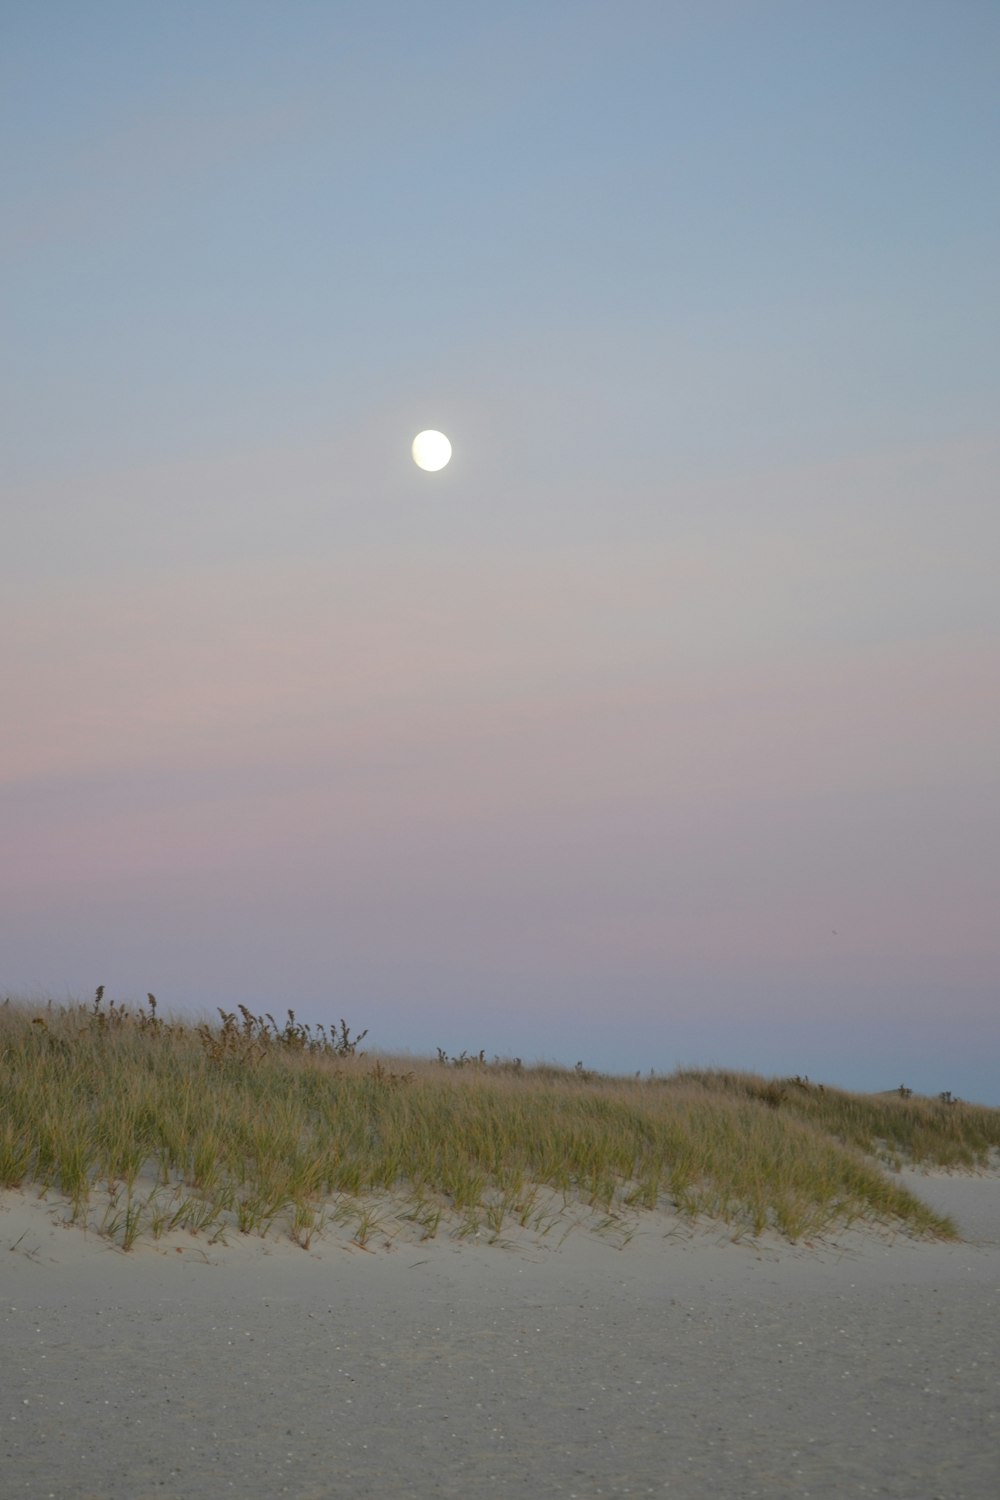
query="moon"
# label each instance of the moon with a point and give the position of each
(431, 450)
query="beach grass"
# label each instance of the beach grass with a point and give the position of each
(145, 1126)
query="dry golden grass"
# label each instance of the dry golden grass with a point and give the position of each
(247, 1126)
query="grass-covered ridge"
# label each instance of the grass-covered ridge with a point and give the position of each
(146, 1126)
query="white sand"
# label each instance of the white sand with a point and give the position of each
(681, 1365)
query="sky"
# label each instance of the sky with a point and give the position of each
(662, 727)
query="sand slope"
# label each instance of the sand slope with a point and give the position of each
(681, 1365)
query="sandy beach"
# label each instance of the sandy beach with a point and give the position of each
(678, 1363)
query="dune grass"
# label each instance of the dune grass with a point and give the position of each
(146, 1126)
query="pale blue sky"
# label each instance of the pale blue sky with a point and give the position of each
(663, 725)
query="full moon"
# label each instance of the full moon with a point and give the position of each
(431, 450)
